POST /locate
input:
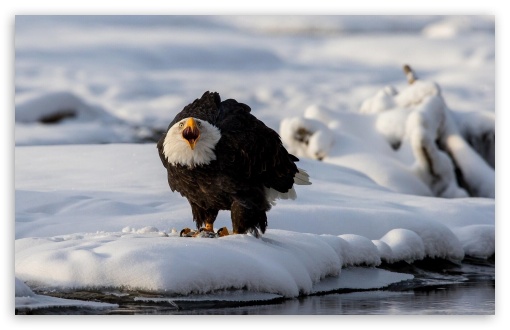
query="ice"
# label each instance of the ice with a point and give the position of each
(26, 299)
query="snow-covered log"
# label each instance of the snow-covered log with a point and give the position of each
(473, 173)
(478, 128)
(308, 137)
(425, 126)
(451, 152)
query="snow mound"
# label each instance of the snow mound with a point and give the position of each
(313, 139)
(281, 262)
(55, 107)
(64, 118)
(477, 240)
(359, 250)
(404, 244)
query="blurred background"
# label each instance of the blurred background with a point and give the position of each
(104, 79)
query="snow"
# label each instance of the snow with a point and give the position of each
(405, 245)
(94, 211)
(114, 226)
(26, 299)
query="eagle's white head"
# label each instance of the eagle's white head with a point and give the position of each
(191, 142)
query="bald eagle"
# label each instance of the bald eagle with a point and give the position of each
(221, 157)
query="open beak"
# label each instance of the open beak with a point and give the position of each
(191, 133)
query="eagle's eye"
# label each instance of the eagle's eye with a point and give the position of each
(199, 124)
(181, 125)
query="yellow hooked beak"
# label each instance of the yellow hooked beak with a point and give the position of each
(191, 133)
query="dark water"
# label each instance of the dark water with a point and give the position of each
(458, 299)
(457, 290)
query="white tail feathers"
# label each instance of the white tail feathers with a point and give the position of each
(272, 195)
(301, 178)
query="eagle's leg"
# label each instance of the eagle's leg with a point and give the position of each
(204, 216)
(245, 219)
(210, 216)
(209, 226)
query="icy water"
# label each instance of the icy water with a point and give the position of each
(465, 290)
(458, 299)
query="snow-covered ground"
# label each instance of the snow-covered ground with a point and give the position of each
(92, 205)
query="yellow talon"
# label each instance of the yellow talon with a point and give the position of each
(185, 232)
(222, 232)
(207, 231)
